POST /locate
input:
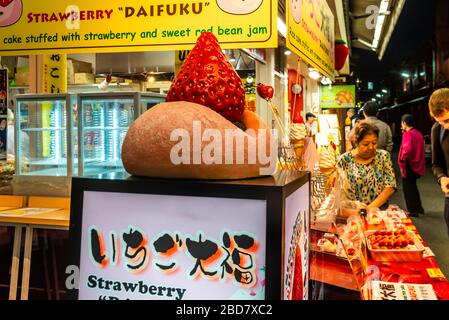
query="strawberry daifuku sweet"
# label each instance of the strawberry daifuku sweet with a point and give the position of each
(206, 77)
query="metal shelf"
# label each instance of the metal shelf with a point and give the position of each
(46, 162)
(42, 129)
(105, 128)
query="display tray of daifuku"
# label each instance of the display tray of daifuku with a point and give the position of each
(400, 245)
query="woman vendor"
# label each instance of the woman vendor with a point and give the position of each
(368, 171)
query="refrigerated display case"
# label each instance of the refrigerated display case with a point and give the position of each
(43, 134)
(103, 120)
(43, 144)
(148, 100)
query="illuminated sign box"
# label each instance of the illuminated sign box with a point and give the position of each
(74, 26)
(142, 239)
(335, 97)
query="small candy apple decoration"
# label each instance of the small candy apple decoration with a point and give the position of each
(265, 92)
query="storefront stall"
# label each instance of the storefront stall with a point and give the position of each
(360, 253)
(186, 239)
(62, 129)
(80, 56)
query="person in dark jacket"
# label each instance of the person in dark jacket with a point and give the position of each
(370, 111)
(412, 164)
(439, 110)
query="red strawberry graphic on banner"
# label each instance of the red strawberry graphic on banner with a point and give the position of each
(10, 12)
(4, 3)
(207, 78)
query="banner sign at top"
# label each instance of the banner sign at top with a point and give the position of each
(76, 26)
(311, 33)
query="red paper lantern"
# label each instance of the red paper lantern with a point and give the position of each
(341, 53)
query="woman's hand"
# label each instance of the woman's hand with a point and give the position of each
(382, 198)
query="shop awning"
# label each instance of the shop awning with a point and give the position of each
(372, 23)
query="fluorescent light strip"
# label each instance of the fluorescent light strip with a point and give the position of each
(383, 7)
(395, 16)
(57, 115)
(115, 125)
(380, 22)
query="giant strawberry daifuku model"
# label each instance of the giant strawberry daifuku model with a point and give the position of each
(188, 135)
(207, 78)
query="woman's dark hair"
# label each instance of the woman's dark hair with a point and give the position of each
(363, 129)
(408, 119)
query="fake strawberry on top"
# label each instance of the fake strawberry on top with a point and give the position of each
(207, 78)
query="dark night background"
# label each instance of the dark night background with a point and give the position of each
(415, 29)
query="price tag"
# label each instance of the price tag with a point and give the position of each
(435, 273)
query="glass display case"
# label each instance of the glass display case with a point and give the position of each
(43, 134)
(103, 120)
(149, 99)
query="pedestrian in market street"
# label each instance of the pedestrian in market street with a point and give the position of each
(370, 111)
(412, 164)
(351, 116)
(311, 124)
(367, 172)
(439, 110)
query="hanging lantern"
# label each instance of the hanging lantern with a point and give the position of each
(341, 53)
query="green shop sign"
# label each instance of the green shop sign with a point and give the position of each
(332, 97)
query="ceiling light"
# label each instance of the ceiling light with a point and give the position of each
(287, 52)
(373, 99)
(326, 81)
(405, 75)
(378, 95)
(384, 90)
(314, 74)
